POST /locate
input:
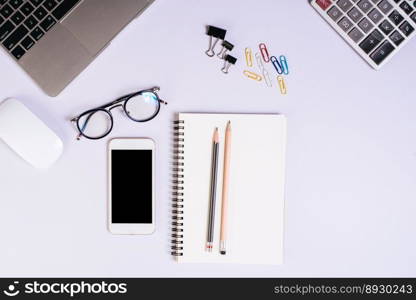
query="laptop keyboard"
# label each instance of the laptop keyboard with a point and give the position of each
(24, 22)
(376, 29)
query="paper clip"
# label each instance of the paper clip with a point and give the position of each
(264, 52)
(249, 57)
(283, 63)
(259, 61)
(282, 85)
(267, 78)
(252, 75)
(276, 64)
(218, 34)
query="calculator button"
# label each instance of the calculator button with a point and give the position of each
(406, 7)
(406, 28)
(365, 5)
(324, 4)
(356, 35)
(365, 25)
(396, 17)
(345, 5)
(386, 27)
(375, 15)
(334, 13)
(414, 17)
(385, 6)
(371, 41)
(397, 38)
(355, 14)
(345, 24)
(382, 52)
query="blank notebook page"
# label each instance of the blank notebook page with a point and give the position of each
(256, 188)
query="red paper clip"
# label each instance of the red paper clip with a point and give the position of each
(264, 52)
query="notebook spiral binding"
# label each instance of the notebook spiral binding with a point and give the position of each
(178, 189)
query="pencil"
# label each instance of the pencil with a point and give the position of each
(225, 183)
(214, 169)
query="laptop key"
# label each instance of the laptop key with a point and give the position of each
(27, 43)
(356, 35)
(15, 37)
(382, 52)
(385, 6)
(355, 14)
(67, 5)
(37, 33)
(365, 25)
(17, 18)
(16, 3)
(27, 8)
(386, 27)
(371, 41)
(50, 4)
(40, 13)
(36, 2)
(396, 17)
(31, 22)
(397, 38)
(6, 29)
(334, 13)
(406, 28)
(18, 52)
(47, 23)
(6, 11)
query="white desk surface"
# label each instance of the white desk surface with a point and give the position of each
(351, 159)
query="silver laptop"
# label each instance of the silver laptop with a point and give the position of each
(54, 40)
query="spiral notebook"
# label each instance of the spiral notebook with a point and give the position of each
(256, 188)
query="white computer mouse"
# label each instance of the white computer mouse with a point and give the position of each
(27, 135)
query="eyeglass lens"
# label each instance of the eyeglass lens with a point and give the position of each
(142, 107)
(95, 124)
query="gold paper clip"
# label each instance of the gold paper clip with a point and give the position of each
(267, 78)
(252, 75)
(282, 85)
(249, 57)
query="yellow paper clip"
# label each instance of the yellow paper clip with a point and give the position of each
(252, 75)
(282, 85)
(249, 57)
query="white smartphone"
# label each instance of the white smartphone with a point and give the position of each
(131, 186)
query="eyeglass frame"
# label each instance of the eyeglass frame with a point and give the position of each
(119, 102)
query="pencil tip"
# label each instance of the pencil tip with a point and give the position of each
(216, 137)
(222, 252)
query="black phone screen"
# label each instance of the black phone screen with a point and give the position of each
(131, 186)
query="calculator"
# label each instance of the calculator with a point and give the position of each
(376, 29)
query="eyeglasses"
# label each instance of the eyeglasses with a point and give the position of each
(139, 106)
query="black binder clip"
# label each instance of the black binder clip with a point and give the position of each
(218, 34)
(228, 61)
(226, 46)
